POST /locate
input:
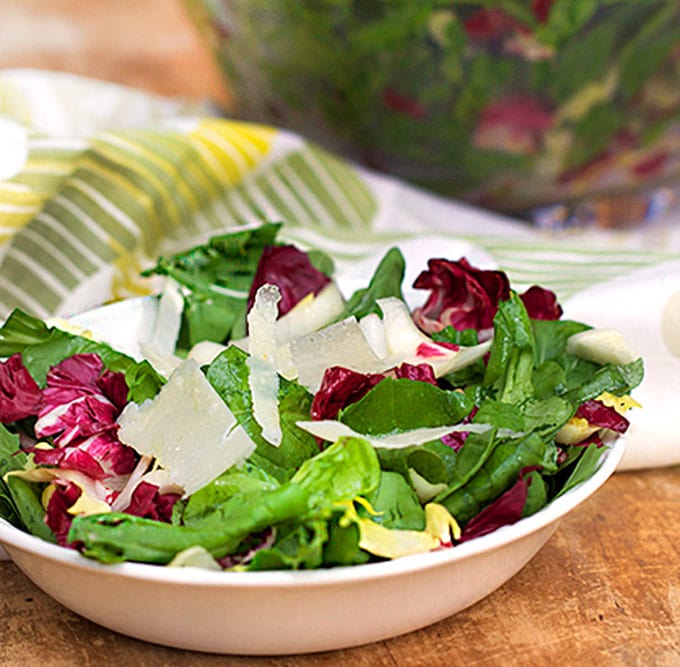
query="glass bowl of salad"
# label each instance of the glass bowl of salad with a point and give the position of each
(256, 437)
(560, 112)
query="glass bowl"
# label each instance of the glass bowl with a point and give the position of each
(557, 111)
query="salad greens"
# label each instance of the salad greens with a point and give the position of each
(398, 456)
(510, 105)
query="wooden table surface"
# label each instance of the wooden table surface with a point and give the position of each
(605, 590)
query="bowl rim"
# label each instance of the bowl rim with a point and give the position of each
(552, 513)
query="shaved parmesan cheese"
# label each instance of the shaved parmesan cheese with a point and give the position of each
(408, 344)
(263, 379)
(195, 556)
(601, 346)
(187, 428)
(168, 319)
(164, 364)
(125, 496)
(310, 314)
(372, 345)
(205, 352)
(374, 330)
(159, 347)
(331, 430)
(340, 344)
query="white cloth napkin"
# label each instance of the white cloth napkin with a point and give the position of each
(645, 307)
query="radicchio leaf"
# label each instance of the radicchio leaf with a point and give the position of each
(57, 517)
(71, 458)
(505, 510)
(113, 386)
(541, 304)
(598, 414)
(339, 388)
(81, 403)
(461, 296)
(457, 439)
(81, 418)
(418, 372)
(20, 395)
(148, 502)
(290, 270)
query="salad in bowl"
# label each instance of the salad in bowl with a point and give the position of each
(267, 421)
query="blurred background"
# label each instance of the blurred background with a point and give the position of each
(150, 45)
(564, 113)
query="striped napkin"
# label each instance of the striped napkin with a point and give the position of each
(97, 180)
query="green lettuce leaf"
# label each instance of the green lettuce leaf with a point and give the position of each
(396, 405)
(343, 471)
(42, 347)
(385, 282)
(228, 374)
(217, 277)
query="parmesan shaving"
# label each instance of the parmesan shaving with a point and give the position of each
(310, 314)
(263, 379)
(601, 346)
(408, 344)
(332, 431)
(187, 428)
(340, 344)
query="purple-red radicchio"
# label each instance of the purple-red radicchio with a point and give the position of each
(80, 405)
(461, 296)
(290, 270)
(341, 386)
(505, 510)
(20, 395)
(465, 297)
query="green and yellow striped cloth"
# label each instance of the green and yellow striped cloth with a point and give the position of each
(98, 180)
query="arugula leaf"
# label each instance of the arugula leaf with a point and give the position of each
(228, 374)
(586, 464)
(549, 378)
(116, 537)
(11, 458)
(20, 500)
(385, 282)
(396, 405)
(537, 494)
(347, 469)
(616, 379)
(499, 473)
(478, 447)
(547, 416)
(42, 347)
(551, 336)
(26, 498)
(217, 277)
(208, 504)
(396, 503)
(511, 358)
(298, 545)
(342, 547)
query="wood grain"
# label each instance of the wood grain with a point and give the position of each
(605, 590)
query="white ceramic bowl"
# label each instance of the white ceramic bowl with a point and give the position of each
(269, 613)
